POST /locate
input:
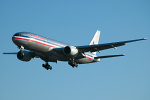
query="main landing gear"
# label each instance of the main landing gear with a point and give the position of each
(72, 63)
(47, 66)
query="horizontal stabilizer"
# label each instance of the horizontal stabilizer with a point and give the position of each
(108, 56)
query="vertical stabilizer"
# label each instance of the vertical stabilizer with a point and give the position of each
(95, 39)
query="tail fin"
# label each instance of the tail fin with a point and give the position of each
(95, 39)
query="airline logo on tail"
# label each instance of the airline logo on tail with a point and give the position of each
(95, 39)
(92, 43)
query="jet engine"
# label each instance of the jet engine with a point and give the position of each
(24, 56)
(70, 51)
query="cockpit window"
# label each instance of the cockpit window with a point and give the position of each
(17, 34)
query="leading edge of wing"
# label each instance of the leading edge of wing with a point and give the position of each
(99, 47)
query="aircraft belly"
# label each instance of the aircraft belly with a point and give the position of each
(84, 60)
(60, 57)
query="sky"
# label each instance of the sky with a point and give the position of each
(75, 22)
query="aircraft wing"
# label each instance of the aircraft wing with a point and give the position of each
(100, 47)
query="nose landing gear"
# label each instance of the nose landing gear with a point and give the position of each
(47, 66)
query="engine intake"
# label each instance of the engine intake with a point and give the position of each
(70, 51)
(24, 56)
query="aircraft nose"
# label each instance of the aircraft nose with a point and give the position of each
(15, 37)
(16, 34)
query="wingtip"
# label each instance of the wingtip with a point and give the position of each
(122, 54)
(144, 38)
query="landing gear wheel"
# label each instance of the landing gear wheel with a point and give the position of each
(73, 64)
(50, 68)
(47, 66)
(43, 65)
(76, 65)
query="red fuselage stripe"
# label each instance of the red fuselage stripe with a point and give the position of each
(88, 57)
(33, 41)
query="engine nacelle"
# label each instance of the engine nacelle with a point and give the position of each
(24, 56)
(70, 51)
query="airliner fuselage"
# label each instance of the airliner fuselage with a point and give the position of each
(44, 47)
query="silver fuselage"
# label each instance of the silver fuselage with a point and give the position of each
(45, 48)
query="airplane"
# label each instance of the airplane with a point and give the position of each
(36, 46)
